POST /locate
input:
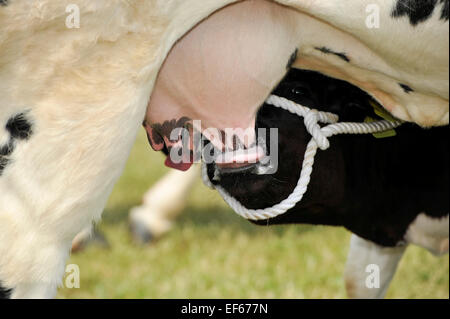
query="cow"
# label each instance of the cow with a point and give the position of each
(78, 78)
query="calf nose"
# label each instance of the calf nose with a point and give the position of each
(236, 168)
(239, 161)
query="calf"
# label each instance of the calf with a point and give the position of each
(388, 191)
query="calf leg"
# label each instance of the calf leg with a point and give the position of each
(370, 268)
(162, 203)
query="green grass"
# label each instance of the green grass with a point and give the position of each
(213, 253)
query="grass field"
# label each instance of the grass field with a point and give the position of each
(213, 253)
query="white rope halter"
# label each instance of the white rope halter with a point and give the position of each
(319, 140)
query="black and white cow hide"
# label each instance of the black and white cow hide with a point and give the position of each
(79, 77)
(389, 191)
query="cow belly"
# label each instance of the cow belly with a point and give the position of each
(343, 56)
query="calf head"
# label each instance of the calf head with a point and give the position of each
(326, 188)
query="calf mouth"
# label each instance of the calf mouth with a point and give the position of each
(240, 161)
(258, 185)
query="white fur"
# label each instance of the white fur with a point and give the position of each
(87, 90)
(363, 253)
(427, 232)
(382, 58)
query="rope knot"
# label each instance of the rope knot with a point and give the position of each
(311, 120)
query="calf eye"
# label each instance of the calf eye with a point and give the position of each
(300, 91)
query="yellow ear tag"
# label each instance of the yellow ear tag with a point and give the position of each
(381, 112)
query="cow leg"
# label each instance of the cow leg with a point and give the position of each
(162, 204)
(41, 211)
(370, 268)
(88, 236)
(33, 259)
(48, 195)
(56, 175)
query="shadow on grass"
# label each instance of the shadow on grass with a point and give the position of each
(214, 215)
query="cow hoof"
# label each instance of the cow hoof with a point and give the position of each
(85, 238)
(141, 234)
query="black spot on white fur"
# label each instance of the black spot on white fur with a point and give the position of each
(3, 3)
(5, 151)
(340, 55)
(445, 11)
(19, 128)
(406, 88)
(420, 10)
(292, 59)
(4, 292)
(3, 163)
